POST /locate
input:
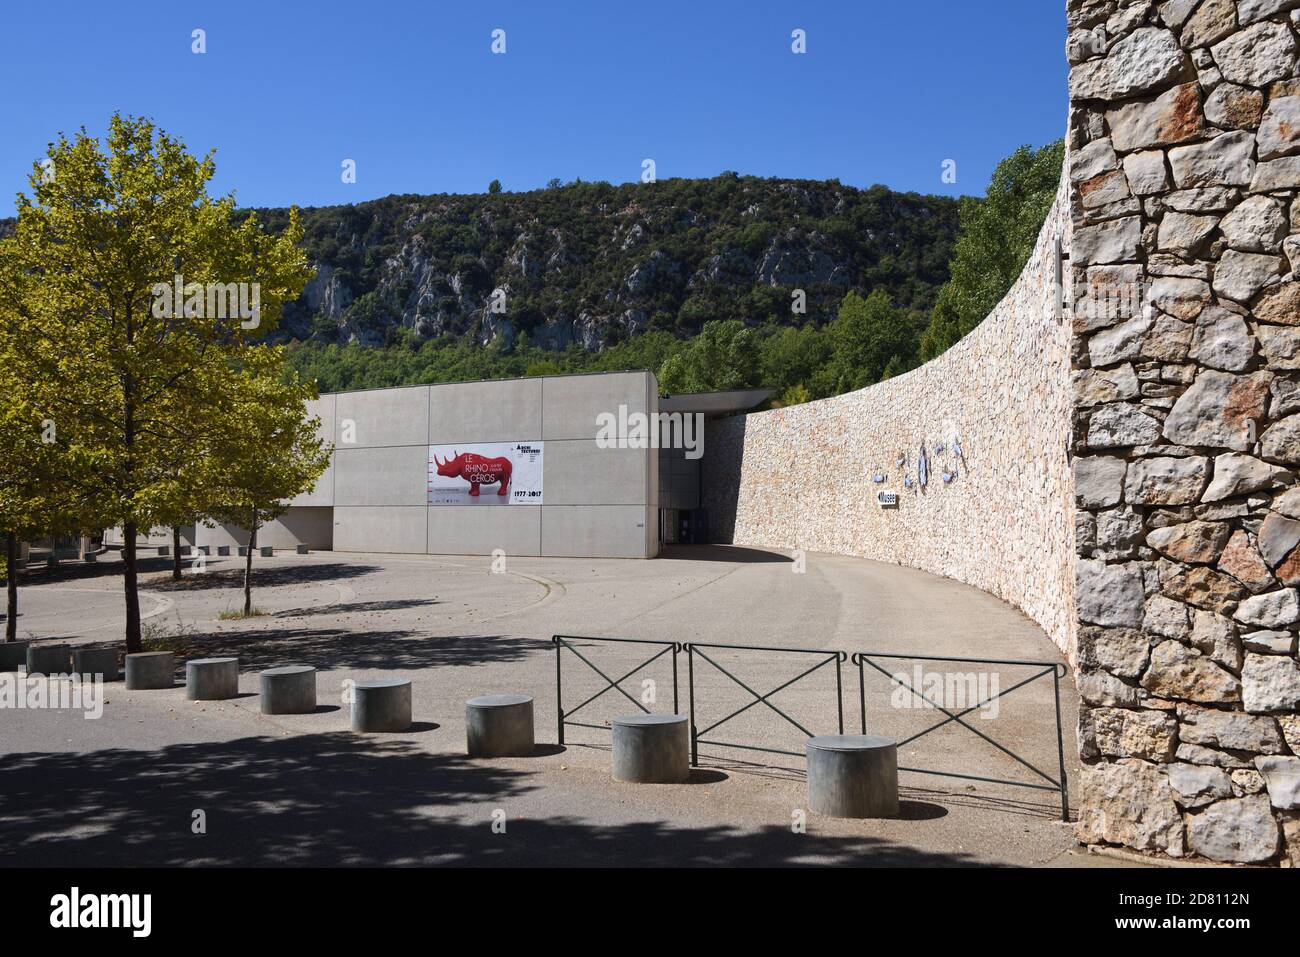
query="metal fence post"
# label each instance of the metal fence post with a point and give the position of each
(1060, 748)
(559, 701)
(862, 690)
(839, 690)
(690, 687)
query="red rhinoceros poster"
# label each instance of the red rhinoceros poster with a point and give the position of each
(486, 473)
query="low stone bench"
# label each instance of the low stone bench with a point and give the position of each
(43, 659)
(499, 726)
(149, 670)
(89, 662)
(651, 748)
(383, 705)
(13, 655)
(211, 679)
(290, 689)
(266, 550)
(853, 775)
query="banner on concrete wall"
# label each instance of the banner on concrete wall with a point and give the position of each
(486, 473)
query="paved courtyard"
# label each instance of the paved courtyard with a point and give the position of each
(122, 790)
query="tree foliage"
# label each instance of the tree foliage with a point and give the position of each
(996, 240)
(135, 382)
(269, 453)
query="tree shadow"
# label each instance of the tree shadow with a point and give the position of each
(71, 570)
(344, 608)
(264, 576)
(333, 648)
(339, 800)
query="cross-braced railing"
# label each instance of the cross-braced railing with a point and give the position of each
(863, 659)
(694, 649)
(562, 642)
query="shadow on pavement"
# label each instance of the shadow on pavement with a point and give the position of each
(344, 608)
(330, 648)
(722, 553)
(337, 800)
(263, 576)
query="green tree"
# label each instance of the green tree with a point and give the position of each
(39, 463)
(791, 356)
(494, 187)
(996, 239)
(725, 355)
(269, 453)
(135, 378)
(865, 337)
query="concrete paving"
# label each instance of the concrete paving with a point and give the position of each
(303, 789)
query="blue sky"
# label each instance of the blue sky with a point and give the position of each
(886, 92)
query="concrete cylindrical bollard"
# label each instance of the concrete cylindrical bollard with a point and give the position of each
(381, 705)
(89, 662)
(43, 659)
(149, 670)
(853, 775)
(499, 726)
(652, 748)
(290, 689)
(13, 655)
(211, 679)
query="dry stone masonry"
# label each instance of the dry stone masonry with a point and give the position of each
(1184, 174)
(992, 415)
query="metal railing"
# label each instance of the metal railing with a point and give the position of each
(1057, 671)
(694, 649)
(562, 642)
(861, 659)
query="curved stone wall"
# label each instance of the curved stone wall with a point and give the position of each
(1175, 390)
(993, 415)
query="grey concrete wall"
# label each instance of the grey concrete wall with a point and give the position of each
(311, 526)
(597, 502)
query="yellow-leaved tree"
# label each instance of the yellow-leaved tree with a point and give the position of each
(134, 296)
(269, 452)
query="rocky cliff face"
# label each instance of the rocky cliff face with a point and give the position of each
(592, 264)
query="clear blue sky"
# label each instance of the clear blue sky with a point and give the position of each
(887, 90)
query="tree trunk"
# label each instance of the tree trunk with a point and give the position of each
(11, 602)
(248, 565)
(176, 553)
(133, 644)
